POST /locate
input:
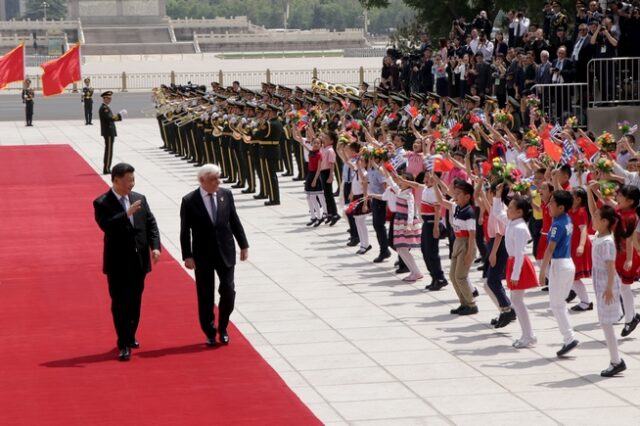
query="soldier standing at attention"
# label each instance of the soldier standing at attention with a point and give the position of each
(108, 129)
(269, 135)
(27, 99)
(87, 99)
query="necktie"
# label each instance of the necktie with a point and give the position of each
(123, 201)
(518, 30)
(576, 50)
(214, 210)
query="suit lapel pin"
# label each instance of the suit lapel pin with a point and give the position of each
(222, 199)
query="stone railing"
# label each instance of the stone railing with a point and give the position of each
(236, 22)
(279, 37)
(29, 25)
(12, 41)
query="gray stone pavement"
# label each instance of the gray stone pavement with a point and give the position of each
(357, 344)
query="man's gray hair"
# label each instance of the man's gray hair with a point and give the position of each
(208, 169)
(544, 53)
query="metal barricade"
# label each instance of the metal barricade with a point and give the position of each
(124, 82)
(560, 101)
(614, 81)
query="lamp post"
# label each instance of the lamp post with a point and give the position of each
(44, 7)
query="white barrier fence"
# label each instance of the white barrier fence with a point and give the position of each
(124, 82)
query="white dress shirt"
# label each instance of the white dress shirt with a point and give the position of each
(127, 203)
(207, 203)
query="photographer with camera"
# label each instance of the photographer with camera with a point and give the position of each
(459, 28)
(482, 23)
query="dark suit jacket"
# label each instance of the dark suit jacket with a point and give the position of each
(126, 246)
(107, 121)
(203, 241)
(568, 70)
(543, 73)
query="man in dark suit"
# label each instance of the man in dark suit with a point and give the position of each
(543, 72)
(562, 71)
(208, 224)
(130, 235)
(108, 128)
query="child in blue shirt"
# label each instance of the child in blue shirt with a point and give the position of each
(561, 268)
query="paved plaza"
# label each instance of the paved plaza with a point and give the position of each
(356, 343)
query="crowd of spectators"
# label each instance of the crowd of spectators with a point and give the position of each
(549, 48)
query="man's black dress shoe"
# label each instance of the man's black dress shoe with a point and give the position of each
(248, 191)
(353, 243)
(135, 344)
(505, 318)
(402, 270)
(211, 341)
(572, 295)
(297, 179)
(260, 197)
(457, 310)
(224, 338)
(272, 203)
(125, 354)
(237, 185)
(381, 257)
(437, 285)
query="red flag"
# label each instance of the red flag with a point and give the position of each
(455, 129)
(12, 66)
(486, 168)
(468, 143)
(58, 73)
(552, 150)
(546, 132)
(474, 119)
(436, 134)
(589, 148)
(532, 152)
(442, 165)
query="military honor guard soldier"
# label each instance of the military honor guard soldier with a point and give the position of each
(27, 99)
(87, 100)
(108, 128)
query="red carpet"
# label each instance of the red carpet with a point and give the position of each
(57, 343)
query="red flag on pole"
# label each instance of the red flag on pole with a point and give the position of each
(12, 66)
(552, 150)
(61, 72)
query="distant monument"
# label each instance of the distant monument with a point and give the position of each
(117, 12)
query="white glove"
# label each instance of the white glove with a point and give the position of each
(123, 113)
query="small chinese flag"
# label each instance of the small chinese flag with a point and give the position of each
(12, 66)
(589, 148)
(436, 134)
(455, 129)
(552, 150)
(546, 133)
(486, 168)
(532, 152)
(468, 143)
(442, 165)
(59, 73)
